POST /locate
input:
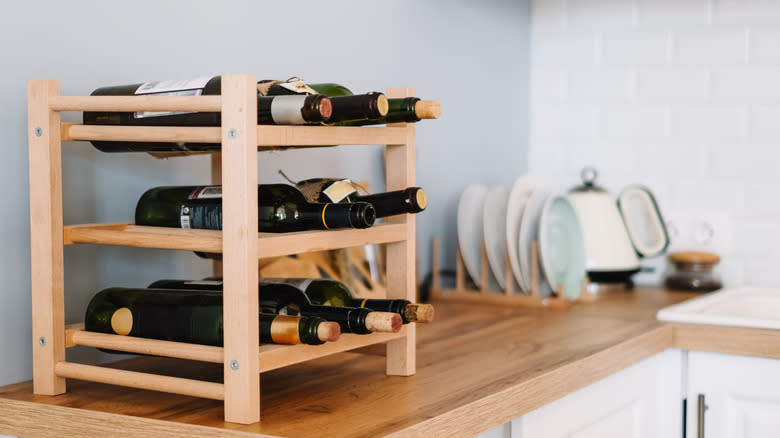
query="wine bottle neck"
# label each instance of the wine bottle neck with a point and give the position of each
(411, 200)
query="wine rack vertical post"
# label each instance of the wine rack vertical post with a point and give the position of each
(46, 240)
(400, 174)
(239, 249)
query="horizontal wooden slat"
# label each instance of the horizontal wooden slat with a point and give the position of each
(270, 245)
(134, 379)
(165, 134)
(271, 136)
(271, 356)
(268, 136)
(136, 103)
(154, 347)
(278, 356)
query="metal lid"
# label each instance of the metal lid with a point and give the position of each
(588, 175)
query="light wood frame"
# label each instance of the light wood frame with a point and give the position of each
(235, 167)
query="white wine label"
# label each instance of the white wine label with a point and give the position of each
(206, 192)
(190, 87)
(286, 110)
(144, 114)
(338, 190)
(204, 283)
(172, 85)
(184, 217)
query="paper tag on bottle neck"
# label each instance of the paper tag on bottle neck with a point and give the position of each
(297, 87)
(339, 190)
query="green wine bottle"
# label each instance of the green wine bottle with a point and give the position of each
(399, 110)
(409, 200)
(191, 316)
(326, 292)
(281, 208)
(347, 107)
(286, 299)
(271, 110)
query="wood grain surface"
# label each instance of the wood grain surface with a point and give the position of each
(478, 366)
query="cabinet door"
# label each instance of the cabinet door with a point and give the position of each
(742, 395)
(644, 400)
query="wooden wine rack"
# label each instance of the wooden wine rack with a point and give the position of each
(235, 167)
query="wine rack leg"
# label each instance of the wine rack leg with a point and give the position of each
(399, 174)
(239, 249)
(46, 240)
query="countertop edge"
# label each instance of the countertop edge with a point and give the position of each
(511, 403)
(23, 418)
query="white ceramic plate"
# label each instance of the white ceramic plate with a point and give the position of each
(521, 190)
(561, 246)
(494, 229)
(529, 233)
(470, 206)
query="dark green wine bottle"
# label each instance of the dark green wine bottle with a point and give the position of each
(286, 299)
(281, 208)
(409, 200)
(347, 107)
(399, 110)
(326, 292)
(271, 110)
(191, 316)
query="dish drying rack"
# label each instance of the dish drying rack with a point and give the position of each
(461, 293)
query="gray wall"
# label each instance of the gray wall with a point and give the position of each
(472, 56)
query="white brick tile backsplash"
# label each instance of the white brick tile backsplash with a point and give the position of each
(548, 85)
(602, 85)
(764, 45)
(614, 162)
(744, 162)
(548, 16)
(762, 202)
(657, 13)
(564, 49)
(631, 48)
(680, 95)
(601, 14)
(764, 123)
(708, 193)
(667, 161)
(639, 124)
(745, 12)
(709, 46)
(713, 123)
(563, 122)
(747, 83)
(673, 84)
(761, 271)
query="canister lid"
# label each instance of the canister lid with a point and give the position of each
(694, 257)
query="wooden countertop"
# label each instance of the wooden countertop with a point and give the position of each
(478, 367)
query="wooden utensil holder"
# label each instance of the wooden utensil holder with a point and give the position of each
(235, 167)
(506, 297)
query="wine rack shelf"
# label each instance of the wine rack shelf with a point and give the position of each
(235, 167)
(269, 244)
(267, 136)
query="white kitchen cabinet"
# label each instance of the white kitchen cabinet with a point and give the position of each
(644, 400)
(742, 395)
(503, 431)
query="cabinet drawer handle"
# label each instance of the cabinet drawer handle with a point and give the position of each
(700, 408)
